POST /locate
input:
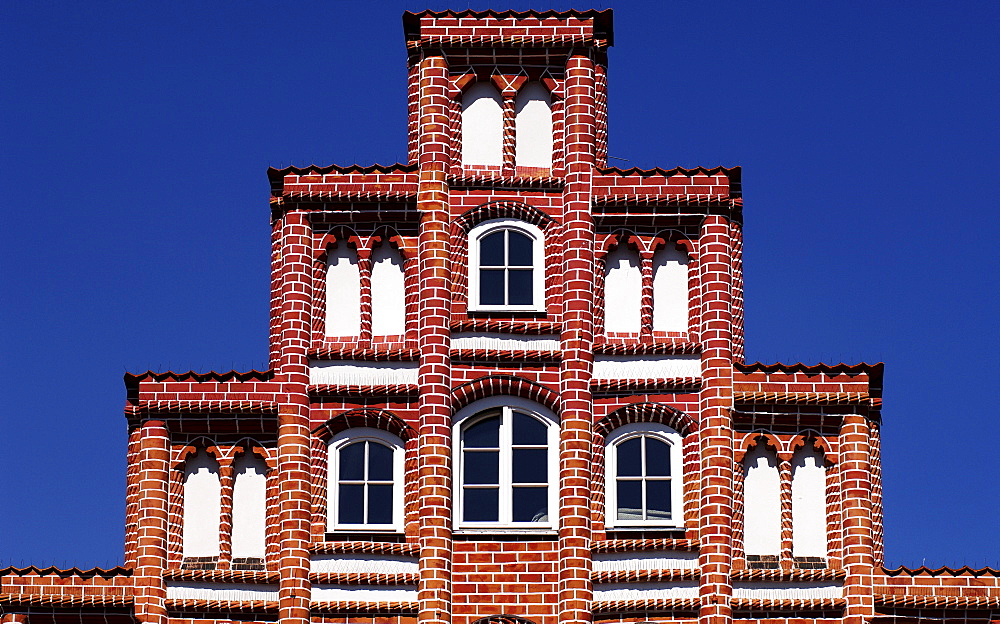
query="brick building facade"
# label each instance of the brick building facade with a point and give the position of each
(506, 384)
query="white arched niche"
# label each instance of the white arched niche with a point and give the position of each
(388, 292)
(482, 125)
(670, 289)
(533, 127)
(808, 503)
(343, 292)
(761, 502)
(202, 506)
(622, 291)
(249, 506)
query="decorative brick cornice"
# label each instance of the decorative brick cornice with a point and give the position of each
(761, 574)
(486, 180)
(252, 576)
(679, 200)
(365, 578)
(344, 196)
(783, 604)
(808, 398)
(66, 600)
(191, 407)
(645, 605)
(380, 548)
(625, 576)
(362, 390)
(190, 604)
(506, 355)
(531, 328)
(401, 607)
(373, 354)
(661, 347)
(511, 41)
(630, 545)
(946, 602)
(667, 384)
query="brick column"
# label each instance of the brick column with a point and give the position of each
(646, 307)
(294, 498)
(858, 549)
(716, 430)
(226, 508)
(575, 589)
(434, 342)
(509, 131)
(151, 541)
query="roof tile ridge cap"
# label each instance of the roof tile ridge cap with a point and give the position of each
(74, 571)
(507, 13)
(673, 171)
(351, 168)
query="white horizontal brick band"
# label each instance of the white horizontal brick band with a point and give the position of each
(777, 590)
(362, 373)
(645, 591)
(646, 366)
(220, 591)
(503, 342)
(652, 560)
(388, 593)
(377, 564)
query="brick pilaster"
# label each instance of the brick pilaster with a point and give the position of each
(858, 546)
(575, 588)
(151, 542)
(434, 428)
(716, 429)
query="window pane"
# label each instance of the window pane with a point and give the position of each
(484, 434)
(482, 505)
(491, 287)
(520, 287)
(531, 504)
(630, 500)
(530, 466)
(351, 504)
(352, 462)
(491, 249)
(482, 467)
(630, 458)
(657, 499)
(379, 504)
(528, 430)
(520, 249)
(657, 458)
(379, 462)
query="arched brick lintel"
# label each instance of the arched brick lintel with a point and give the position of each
(503, 619)
(754, 438)
(817, 441)
(502, 210)
(376, 419)
(493, 385)
(646, 412)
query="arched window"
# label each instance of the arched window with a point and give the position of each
(202, 506)
(343, 292)
(506, 270)
(506, 465)
(670, 290)
(761, 502)
(622, 291)
(365, 481)
(808, 503)
(533, 127)
(482, 126)
(249, 506)
(388, 292)
(643, 464)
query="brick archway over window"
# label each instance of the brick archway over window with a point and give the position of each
(493, 385)
(502, 210)
(646, 412)
(376, 419)
(503, 619)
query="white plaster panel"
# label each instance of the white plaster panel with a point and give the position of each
(198, 590)
(361, 592)
(808, 504)
(650, 560)
(202, 506)
(482, 126)
(249, 502)
(489, 340)
(363, 562)
(670, 290)
(343, 292)
(347, 372)
(640, 591)
(622, 291)
(761, 503)
(788, 590)
(388, 293)
(646, 366)
(533, 127)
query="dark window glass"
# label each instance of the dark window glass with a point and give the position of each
(657, 499)
(482, 505)
(491, 287)
(491, 249)
(528, 430)
(484, 434)
(630, 458)
(519, 286)
(379, 462)
(379, 504)
(530, 466)
(352, 462)
(657, 458)
(482, 467)
(351, 505)
(630, 500)
(520, 249)
(531, 504)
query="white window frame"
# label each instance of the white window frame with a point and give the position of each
(360, 434)
(538, 264)
(468, 416)
(659, 432)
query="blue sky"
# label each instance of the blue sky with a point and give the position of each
(134, 142)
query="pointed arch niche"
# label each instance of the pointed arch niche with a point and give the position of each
(761, 501)
(622, 291)
(482, 125)
(249, 506)
(202, 506)
(670, 289)
(343, 291)
(533, 127)
(388, 291)
(809, 538)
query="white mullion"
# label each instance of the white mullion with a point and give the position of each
(364, 487)
(506, 496)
